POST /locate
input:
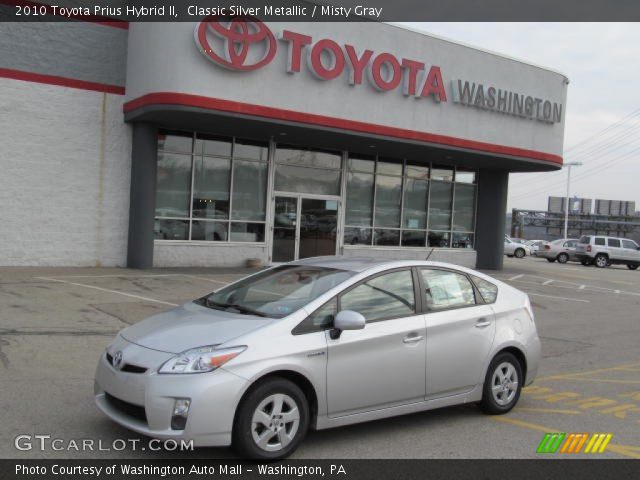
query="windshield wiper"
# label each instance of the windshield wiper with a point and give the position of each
(241, 308)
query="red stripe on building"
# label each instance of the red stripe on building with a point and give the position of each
(100, 20)
(183, 99)
(60, 81)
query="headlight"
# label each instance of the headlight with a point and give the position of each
(200, 360)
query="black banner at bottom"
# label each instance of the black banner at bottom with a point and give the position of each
(333, 469)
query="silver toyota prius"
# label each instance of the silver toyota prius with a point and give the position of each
(315, 344)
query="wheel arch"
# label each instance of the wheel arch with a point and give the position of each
(293, 376)
(516, 352)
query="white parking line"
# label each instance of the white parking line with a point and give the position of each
(148, 275)
(559, 298)
(547, 282)
(582, 287)
(516, 277)
(138, 297)
(206, 279)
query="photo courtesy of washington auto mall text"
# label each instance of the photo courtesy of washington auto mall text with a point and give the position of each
(359, 239)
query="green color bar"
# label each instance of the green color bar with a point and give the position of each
(550, 442)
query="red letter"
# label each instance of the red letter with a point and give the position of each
(433, 85)
(315, 59)
(411, 73)
(296, 41)
(376, 72)
(357, 64)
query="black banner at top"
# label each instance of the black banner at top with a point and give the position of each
(324, 10)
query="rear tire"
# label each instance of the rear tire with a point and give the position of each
(563, 258)
(271, 421)
(632, 267)
(520, 253)
(502, 384)
(601, 261)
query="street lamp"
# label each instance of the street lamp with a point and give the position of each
(566, 205)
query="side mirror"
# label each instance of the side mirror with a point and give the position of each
(346, 320)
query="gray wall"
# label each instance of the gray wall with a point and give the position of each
(78, 50)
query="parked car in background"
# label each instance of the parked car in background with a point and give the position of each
(562, 250)
(605, 251)
(515, 249)
(535, 246)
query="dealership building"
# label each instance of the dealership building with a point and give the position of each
(214, 142)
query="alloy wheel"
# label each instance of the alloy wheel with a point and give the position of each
(275, 422)
(601, 261)
(504, 383)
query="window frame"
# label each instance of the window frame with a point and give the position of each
(416, 294)
(417, 309)
(404, 176)
(226, 222)
(479, 299)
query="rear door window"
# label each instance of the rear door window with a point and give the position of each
(445, 289)
(487, 289)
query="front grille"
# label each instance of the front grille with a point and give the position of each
(126, 408)
(128, 367)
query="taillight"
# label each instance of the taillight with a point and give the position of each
(547, 247)
(588, 248)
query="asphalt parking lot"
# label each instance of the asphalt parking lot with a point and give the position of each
(55, 322)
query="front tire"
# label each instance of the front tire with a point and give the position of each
(271, 421)
(520, 253)
(632, 266)
(502, 384)
(563, 258)
(601, 261)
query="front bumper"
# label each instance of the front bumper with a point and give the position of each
(144, 402)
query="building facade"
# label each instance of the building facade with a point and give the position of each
(214, 142)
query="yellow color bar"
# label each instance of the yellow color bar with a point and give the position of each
(598, 442)
(605, 442)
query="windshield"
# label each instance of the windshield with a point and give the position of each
(277, 292)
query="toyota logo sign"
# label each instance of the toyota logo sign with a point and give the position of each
(242, 43)
(117, 360)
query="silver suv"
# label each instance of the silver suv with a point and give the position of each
(605, 251)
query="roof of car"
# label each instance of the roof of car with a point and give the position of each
(360, 264)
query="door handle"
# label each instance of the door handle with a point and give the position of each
(412, 339)
(482, 323)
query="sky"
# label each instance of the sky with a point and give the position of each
(602, 62)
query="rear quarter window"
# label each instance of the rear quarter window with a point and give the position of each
(487, 289)
(599, 241)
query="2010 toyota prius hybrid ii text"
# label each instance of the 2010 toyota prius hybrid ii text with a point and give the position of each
(319, 343)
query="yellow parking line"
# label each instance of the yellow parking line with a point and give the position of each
(625, 450)
(603, 380)
(590, 372)
(549, 410)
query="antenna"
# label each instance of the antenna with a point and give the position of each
(428, 256)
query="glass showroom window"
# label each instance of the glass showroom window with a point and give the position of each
(403, 204)
(307, 171)
(210, 188)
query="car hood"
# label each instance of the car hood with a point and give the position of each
(190, 326)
